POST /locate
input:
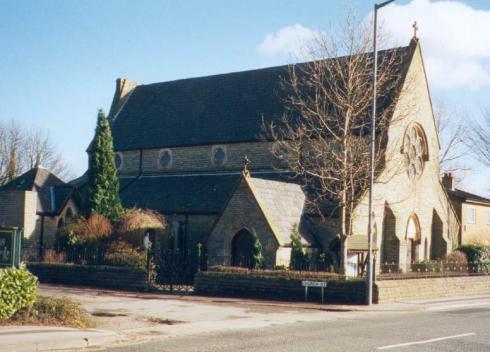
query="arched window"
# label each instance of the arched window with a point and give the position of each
(415, 150)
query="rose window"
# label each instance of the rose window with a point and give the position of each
(414, 150)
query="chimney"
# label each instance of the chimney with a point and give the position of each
(447, 180)
(123, 88)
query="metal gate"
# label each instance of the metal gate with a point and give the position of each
(175, 269)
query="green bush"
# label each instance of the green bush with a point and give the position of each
(257, 258)
(298, 257)
(478, 257)
(426, 266)
(121, 253)
(53, 311)
(18, 290)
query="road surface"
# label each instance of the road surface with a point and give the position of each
(464, 329)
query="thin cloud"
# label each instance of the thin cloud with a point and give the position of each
(287, 41)
(454, 38)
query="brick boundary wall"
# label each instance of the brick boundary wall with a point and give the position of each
(426, 288)
(211, 283)
(90, 275)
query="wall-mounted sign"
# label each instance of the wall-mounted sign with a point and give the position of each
(10, 244)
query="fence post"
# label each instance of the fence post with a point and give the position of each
(148, 271)
(199, 256)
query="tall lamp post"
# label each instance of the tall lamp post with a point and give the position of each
(371, 159)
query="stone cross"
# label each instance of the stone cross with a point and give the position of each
(246, 163)
(415, 29)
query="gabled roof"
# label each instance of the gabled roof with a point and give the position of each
(226, 108)
(282, 204)
(466, 196)
(52, 192)
(183, 193)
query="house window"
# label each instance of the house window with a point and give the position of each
(218, 155)
(488, 217)
(119, 160)
(165, 159)
(471, 216)
(415, 150)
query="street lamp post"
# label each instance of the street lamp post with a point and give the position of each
(371, 159)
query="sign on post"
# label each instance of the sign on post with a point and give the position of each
(10, 247)
(321, 284)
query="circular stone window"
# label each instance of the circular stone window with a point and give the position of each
(118, 160)
(414, 148)
(219, 155)
(165, 159)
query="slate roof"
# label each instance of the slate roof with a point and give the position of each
(282, 205)
(200, 194)
(226, 108)
(466, 196)
(52, 192)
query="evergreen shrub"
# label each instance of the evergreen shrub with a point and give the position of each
(18, 290)
(478, 257)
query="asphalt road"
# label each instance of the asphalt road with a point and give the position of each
(465, 329)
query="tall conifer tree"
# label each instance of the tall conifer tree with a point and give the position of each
(104, 183)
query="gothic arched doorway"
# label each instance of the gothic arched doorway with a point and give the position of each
(390, 244)
(242, 249)
(413, 239)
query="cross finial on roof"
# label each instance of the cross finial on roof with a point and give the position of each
(415, 29)
(246, 163)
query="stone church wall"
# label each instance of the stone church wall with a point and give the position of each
(398, 197)
(18, 209)
(199, 158)
(198, 227)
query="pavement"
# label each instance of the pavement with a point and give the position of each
(128, 317)
(41, 338)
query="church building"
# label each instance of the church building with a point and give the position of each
(180, 147)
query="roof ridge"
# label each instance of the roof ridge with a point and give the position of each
(260, 69)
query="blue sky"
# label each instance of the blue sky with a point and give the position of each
(60, 59)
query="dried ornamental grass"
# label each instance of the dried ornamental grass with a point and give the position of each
(55, 312)
(134, 223)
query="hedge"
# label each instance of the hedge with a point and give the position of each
(91, 275)
(287, 274)
(271, 284)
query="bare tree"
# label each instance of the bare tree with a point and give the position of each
(453, 136)
(22, 149)
(10, 145)
(479, 138)
(324, 138)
